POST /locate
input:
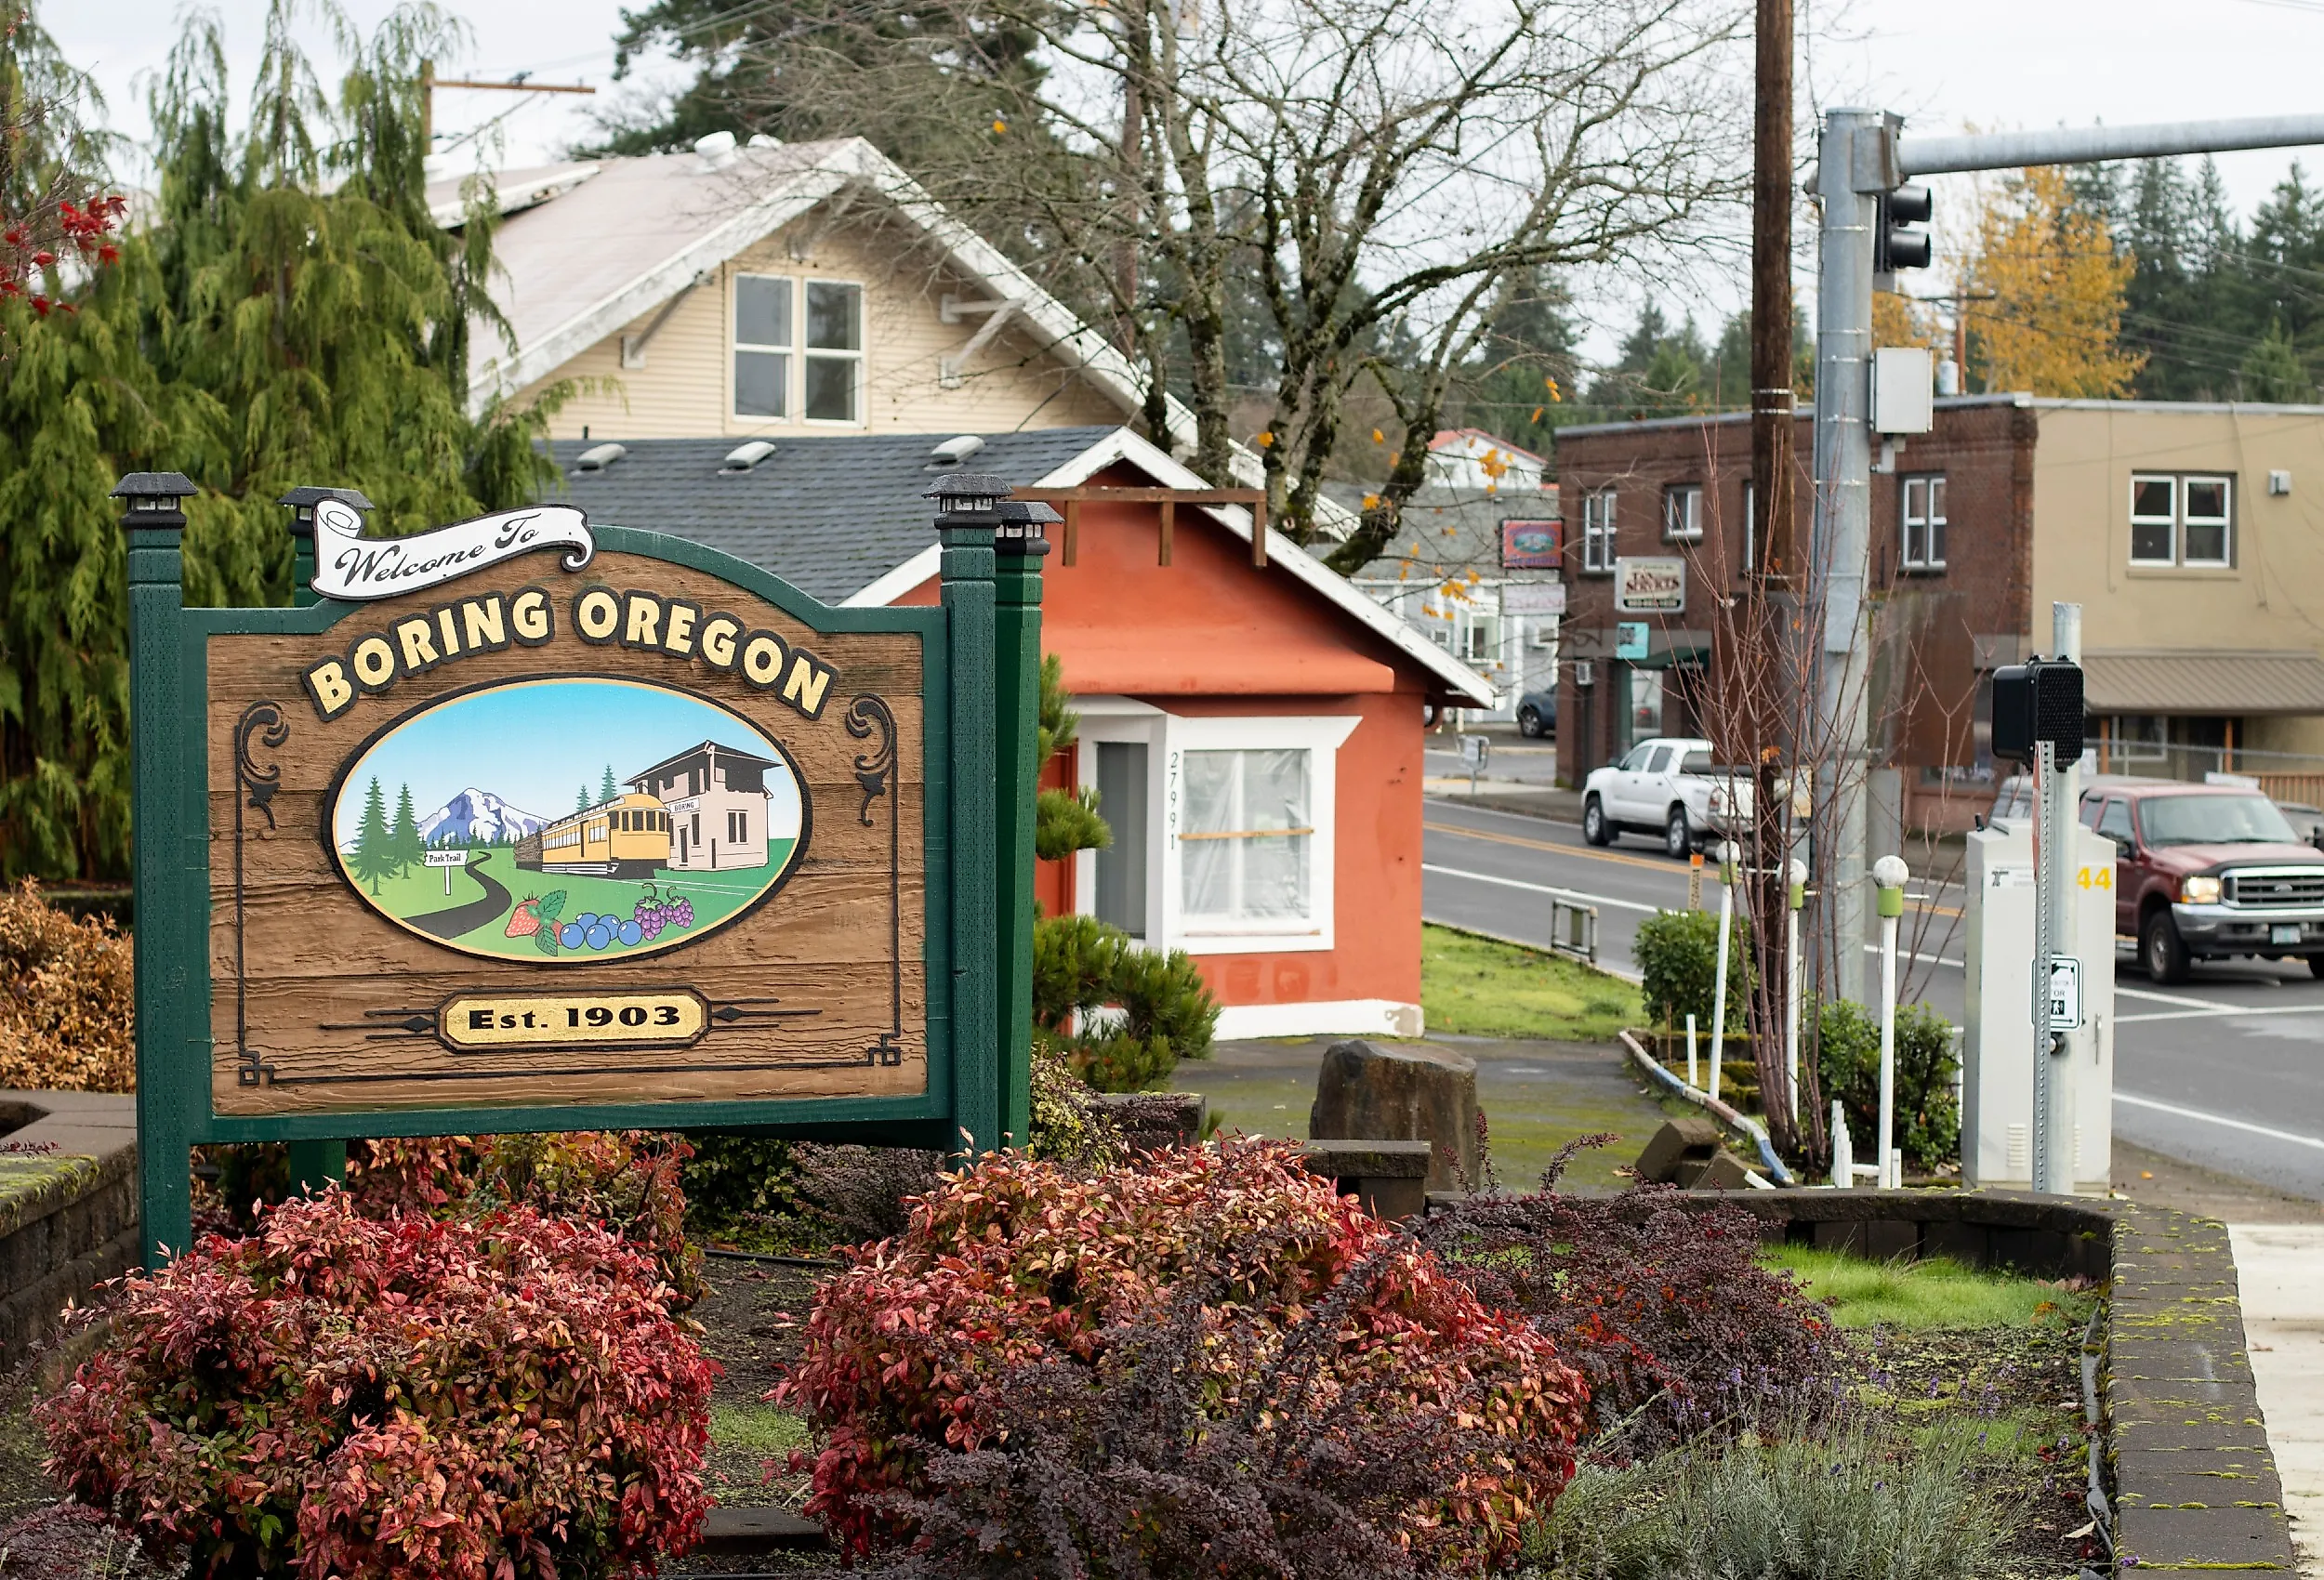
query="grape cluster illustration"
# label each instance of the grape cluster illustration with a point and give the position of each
(538, 917)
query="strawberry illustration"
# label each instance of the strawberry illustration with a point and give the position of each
(526, 920)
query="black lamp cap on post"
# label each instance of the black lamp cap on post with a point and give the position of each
(1020, 530)
(151, 500)
(969, 499)
(303, 500)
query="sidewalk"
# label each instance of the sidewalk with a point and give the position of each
(2279, 1268)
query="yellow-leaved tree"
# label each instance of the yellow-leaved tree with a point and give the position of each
(2054, 323)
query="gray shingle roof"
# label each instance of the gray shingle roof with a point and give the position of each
(828, 513)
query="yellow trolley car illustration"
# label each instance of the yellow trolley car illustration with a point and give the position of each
(627, 836)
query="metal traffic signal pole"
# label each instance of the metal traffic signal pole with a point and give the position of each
(1861, 156)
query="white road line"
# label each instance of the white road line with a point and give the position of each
(2178, 998)
(1903, 954)
(2214, 1013)
(1542, 889)
(2197, 1114)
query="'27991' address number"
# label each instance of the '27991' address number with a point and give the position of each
(659, 1018)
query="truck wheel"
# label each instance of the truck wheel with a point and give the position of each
(2315, 965)
(1677, 838)
(1594, 828)
(2161, 950)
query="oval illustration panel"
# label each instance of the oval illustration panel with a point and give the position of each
(567, 821)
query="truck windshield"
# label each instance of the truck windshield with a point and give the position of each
(2213, 820)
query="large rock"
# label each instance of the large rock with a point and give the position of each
(1401, 1094)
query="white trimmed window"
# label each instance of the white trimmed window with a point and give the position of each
(1597, 530)
(762, 346)
(2186, 520)
(1246, 845)
(1683, 513)
(1923, 525)
(835, 351)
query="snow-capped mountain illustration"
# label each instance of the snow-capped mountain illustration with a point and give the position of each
(477, 817)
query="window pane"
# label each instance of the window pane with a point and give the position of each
(762, 311)
(2205, 499)
(1661, 761)
(833, 317)
(759, 379)
(831, 389)
(1252, 873)
(2152, 497)
(1274, 878)
(2150, 542)
(1916, 497)
(1935, 550)
(1209, 792)
(2206, 543)
(1936, 498)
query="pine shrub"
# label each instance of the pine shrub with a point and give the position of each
(67, 1002)
(1124, 1014)
(412, 1397)
(1207, 1346)
(1928, 1110)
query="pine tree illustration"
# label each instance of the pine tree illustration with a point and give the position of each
(607, 789)
(403, 838)
(375, 855)
(581, 801)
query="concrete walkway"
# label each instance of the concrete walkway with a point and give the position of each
(2279, 1268)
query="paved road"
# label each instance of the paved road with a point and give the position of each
(457, 919)
(2226, 1070)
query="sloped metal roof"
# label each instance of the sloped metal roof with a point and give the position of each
(2218, 682)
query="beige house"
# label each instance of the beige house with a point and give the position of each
(2193, 537)
(724, 805)
(776, 290)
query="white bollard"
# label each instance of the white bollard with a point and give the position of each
(1693, 1073)
(1843, 1156)
(1718, 991)
(1888, 877)
(1798, 876)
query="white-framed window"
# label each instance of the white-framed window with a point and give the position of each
(2182, 519)
(1923, 530)
(2137, 737)
(1480, 637)
(834, 355)
(1683, 513)
(763, 345)
(1597, 530)
(1248, 836)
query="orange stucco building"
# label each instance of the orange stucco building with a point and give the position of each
(1255, 732)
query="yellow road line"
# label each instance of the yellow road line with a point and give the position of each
(1666, 867)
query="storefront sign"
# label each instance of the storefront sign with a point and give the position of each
(1630, 639)
(1532, 545)
(1650, 586)
(1532, 597)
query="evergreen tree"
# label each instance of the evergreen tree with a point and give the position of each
(288, 311)
(606, 788)
(375, 846)
(2272, 370)
(581, 802)
(403, 837)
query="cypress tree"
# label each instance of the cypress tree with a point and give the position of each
(291, 314)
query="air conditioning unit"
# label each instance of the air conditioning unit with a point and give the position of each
(1543, 637)
(1584, 672)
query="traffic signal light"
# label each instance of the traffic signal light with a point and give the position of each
(1895, 244)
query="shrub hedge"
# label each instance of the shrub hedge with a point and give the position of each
(1678, 964)
(346, 1396)
(1124, 1014)
(1928, 1110)
(67, 1002)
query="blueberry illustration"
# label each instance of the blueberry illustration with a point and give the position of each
(631, 932)
(587, 919)
(570, 935)
(598, 936)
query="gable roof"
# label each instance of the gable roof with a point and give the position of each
(842, 517)
(580, 258)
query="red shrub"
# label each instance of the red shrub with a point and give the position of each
(1312, 1323)
(349, 1397)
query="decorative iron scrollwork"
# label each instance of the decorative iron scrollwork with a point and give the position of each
(254, 785)
(874, 770)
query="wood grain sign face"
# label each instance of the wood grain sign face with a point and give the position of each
(631, 835)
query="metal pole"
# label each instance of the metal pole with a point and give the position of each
(1855, 165)
(1797, 896)
(1718, 991)
(1889, 874)
(2087, 145)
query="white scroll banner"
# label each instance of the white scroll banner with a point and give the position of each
(351, 566)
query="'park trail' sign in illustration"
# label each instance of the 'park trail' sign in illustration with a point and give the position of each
(529, 836)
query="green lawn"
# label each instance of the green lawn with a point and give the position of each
(1481, 988)
(416, 890)
(1936, 1293)
(756, 1428)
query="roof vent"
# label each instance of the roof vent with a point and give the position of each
(745, 457)
(596, 457)
(716, 150)
(952, 451)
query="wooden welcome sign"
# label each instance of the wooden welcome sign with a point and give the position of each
(534, 825)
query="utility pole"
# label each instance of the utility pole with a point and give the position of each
(1771, 583)
(430, 83)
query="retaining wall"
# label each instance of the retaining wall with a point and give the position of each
(68, 1206)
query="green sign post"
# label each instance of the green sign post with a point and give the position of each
(521, 824)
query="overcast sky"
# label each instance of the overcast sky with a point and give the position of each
(1945, 64)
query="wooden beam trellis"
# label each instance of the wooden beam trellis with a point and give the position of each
(1066, 499)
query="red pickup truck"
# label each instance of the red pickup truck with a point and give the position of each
(2208, 872)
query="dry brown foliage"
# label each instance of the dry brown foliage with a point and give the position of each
(67, 1002)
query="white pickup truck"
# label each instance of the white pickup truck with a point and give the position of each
(1666, 786)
